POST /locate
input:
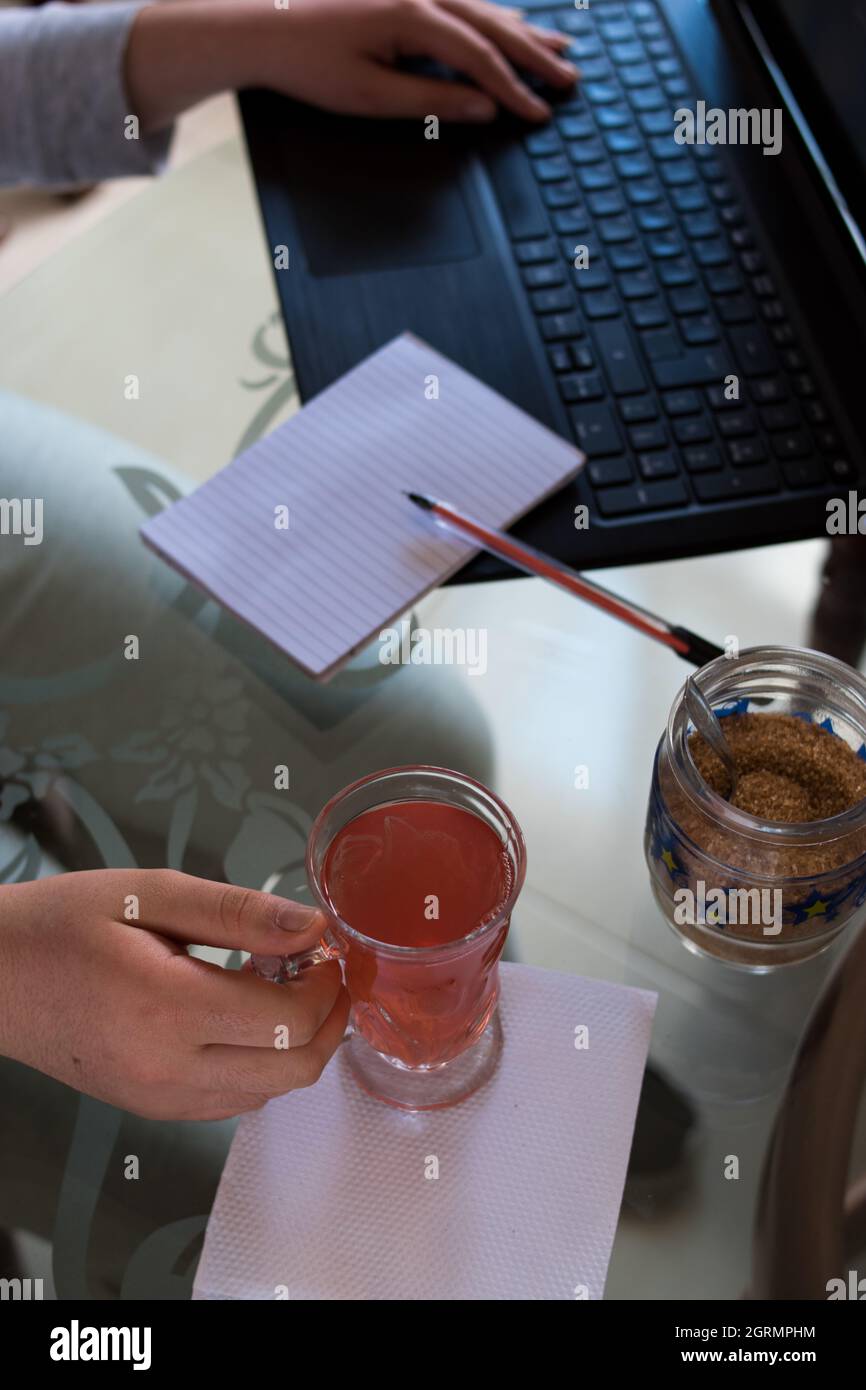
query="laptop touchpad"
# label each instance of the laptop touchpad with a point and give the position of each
(381, 203)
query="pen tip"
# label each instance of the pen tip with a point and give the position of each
(420, 500)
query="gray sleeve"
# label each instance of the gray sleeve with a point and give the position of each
(63, 107)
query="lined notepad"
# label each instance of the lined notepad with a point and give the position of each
(307, 536)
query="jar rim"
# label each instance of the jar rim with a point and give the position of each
(715, 679)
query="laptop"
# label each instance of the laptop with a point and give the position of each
(690, 311)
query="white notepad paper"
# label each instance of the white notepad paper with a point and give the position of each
(355, 553)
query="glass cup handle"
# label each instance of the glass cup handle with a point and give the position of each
(281, 969)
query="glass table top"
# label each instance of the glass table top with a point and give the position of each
(168, 759)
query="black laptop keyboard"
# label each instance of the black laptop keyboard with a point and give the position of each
(677, 294)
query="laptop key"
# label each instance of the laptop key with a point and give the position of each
(673, 273)
(594, 277)
(690, 198)
(699, 367)
(752, 349)
(623, 54)
(601, 93)
(699, 329)
(705, 459)
(571, 221)
(654, 219)
(681, 175)
(736, 308)
(609, 203)
(665, 246)
(735, 424)
(645, 437)
(618, 31)
(587, 46)
(842, 470)
(633, 166)
(627, 256)
(619, 359)
(693, 429)
(609, 472)
(545, 276)
(781, 417)
(803, 473)
(531, 252)
(600, 304)
(727, 487)
(613, 118)
(769, 390)
(596, 176)
(641, 75)
(678, 403)
(661, 344)
(576, 127)
(642, 497)
(597, 71)
(637, 284)
(815, 412)
(615, 230)
(595, 430)
(745, 452)
(636, 409)
(582, 356)
(559, 357)
(555, 327)
(711, 253)
(793, 444)
(551, 301)
(622, 142)
(783, 334)
(648, 313)
(657, 465)
(689, 299)
(827, 440)
(723, 279)
(643, 192)
(552, 169)
(559, 195)
(700, 225)
(652, 121)
(586, 387)
(582, 152)
(664, 148)
(793, 360)
(720, 400)
(545, 141)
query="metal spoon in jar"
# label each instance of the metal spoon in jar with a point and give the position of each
(708, 725)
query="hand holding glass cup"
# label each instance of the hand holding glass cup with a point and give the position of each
(417, 870)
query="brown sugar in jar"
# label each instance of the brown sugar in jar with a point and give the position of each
(772, 876)
(788, 769)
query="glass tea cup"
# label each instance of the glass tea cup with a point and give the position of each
(423, 1026)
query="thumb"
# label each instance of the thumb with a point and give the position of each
(203, 913)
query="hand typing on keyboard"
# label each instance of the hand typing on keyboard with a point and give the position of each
(342, 55)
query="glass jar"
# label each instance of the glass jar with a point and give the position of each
(757, 894)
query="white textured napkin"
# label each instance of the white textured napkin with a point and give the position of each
(328, 1194)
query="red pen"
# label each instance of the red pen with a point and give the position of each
(686, 644)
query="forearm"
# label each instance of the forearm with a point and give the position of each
(179, 54)
(63, 105)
